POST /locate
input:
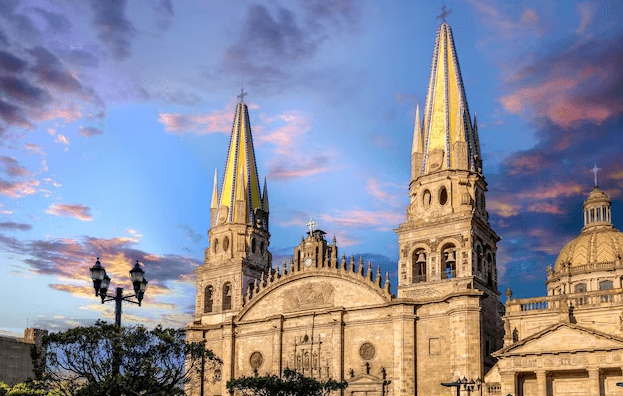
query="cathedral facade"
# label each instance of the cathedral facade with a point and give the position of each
(329, 316)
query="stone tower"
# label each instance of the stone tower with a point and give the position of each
(237, 255)
(447, 246)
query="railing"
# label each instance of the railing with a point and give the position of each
(577, 300)
(493, 389)
(578, 269)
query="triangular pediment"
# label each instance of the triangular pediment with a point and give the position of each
(563, 337)
(364, 379)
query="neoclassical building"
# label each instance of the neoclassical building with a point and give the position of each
(569, 342)
(330, 316)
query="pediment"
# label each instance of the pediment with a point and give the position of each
(563, 337)
(365, 379)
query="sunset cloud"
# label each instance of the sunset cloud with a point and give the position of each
(77, 211)
(365, 219)
(89, 131)
(217, 121)
(12, 226)
(18, 189)
(503, 209)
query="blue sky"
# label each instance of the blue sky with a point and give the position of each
(114, 115)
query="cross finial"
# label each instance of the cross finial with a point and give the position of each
(242, 95)
(444, 13)
(595, 170)
(311, 224)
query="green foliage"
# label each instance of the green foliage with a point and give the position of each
(104, 360)
(4, 388)
(292, 383)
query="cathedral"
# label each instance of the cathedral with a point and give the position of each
(335, 317)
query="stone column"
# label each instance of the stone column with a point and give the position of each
(229, 358)
(277, 365)
(593, 381)
(337, 335)
(541, 383)
(403, 323)
(507, 383)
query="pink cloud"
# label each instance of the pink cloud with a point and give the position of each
(587, 11)
(289, 171)
(218, 121)
(61, 139)
(503, 209)
(365, 219)
(523, 164)
(69, 114)
(18, 189)
(558, 190)
(542, 207)
(77, 211)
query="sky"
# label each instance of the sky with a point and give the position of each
(115, 114)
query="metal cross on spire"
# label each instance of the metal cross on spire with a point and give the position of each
(595, 170)
(242, 94)
(311, 224)
(444, 13)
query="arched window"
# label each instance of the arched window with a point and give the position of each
(479, 258)
(605, 285)
(448, 261)
(579, 288)
(489, 269)
(208, 299)
(227, 293)
(418, 266)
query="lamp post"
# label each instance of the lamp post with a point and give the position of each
(101, 281)
(468, 385)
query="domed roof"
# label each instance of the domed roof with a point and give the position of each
(599, 241)
(594, 245)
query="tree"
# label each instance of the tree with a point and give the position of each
(104, 359)
(293, 383)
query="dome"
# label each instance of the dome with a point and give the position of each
(599, 241)
(593, 245)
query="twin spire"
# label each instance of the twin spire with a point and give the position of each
(446, 137)
(240, 196)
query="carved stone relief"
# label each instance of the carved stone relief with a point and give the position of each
(313, 295)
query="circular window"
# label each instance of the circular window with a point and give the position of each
(426, 198)
(256, 360)
(226, 243)
(253, 245)
(215, 243)
(443, 196)
(367, 351)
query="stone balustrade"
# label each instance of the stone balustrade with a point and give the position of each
(581, 269)
(577, 300)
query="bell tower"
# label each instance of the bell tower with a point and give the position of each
(238, 237)
(447, 246)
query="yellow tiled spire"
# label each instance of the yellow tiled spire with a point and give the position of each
(449, 138)
(240, 168)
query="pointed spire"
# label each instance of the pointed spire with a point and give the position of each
(214, 201)
(448, 136)
(417, 146)
(378, 279)
(265, 198)
(240, 167)
(387, 285)
(369, 271)
(343, 263)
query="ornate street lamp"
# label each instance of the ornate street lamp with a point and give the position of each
(468, 385)
(101, 281)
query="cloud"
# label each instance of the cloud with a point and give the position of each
(528, 23)
(56, 23)
(190, 234)
(503, 209)
(61, 139)
(578, 84)
(357, 218)
(288, 171)
(89, 131)
(11, 64)
(18, 189)
(12, 167)
(12, 226)
(114, 29)
(218, 121)
(586, 11)
(23, 92)
(272, 44)
(77, 211)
